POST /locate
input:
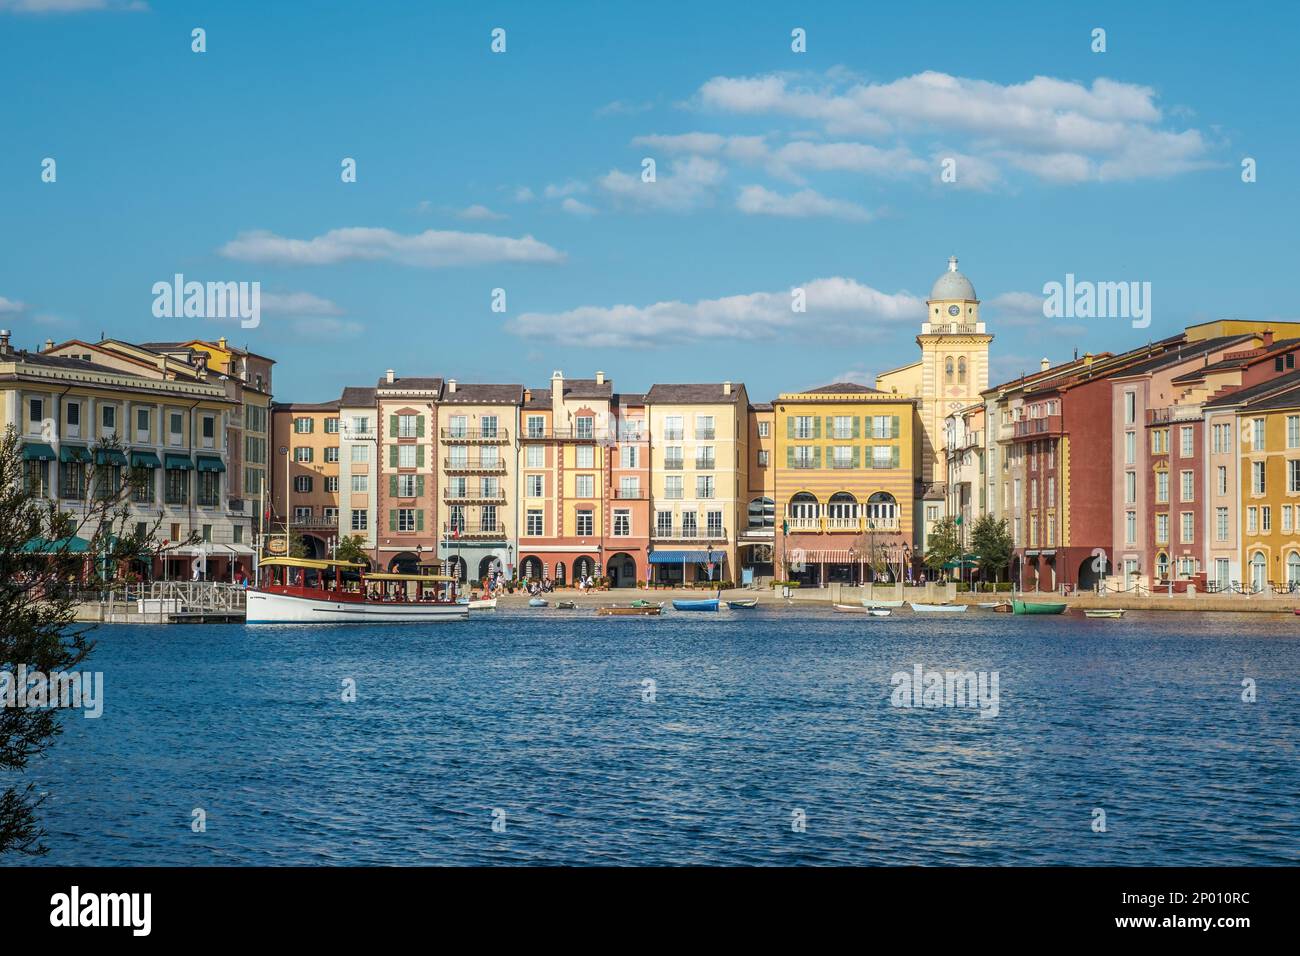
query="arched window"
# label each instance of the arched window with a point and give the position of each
(1162, 566)
(882, 507)
(762, 513)
(961, 371)
(947, 370)
(1293, 568)
(842, 510)
(1258, 571)
(802, 507)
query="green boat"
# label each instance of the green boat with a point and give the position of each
(1030, 607)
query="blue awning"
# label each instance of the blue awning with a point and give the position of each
(178, 462)
(144, 459)
(35, 451)
(677, 557)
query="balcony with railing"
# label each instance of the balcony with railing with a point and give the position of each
(704, 464)
(705, 434)
(716, 535)
(473, 494)
(674, 464)
(842, 525)
(474, 530)
(1173, 413)
(627, 494)
(482, 435)
(473, 464)
(1028, 429)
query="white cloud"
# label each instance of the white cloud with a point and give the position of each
(692, 182)
(842, 306)
(298, 303)
(479, 211)
(432, 249)
(1016, 309)
(560, 190)
(1056, 130)
(524, 194)
(742, 148)
(756, 200)
(9, 306)
(576, 207)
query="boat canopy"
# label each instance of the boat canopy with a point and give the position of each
(306, 563)
(386, 576)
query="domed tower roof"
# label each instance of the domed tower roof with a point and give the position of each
(952, 285)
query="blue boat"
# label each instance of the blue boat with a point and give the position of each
(710, 604)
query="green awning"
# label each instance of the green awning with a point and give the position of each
(109, 456)
(179, 462)
(210, 463)
(74, 453)
(33, 451)
(43, 546)
(144, 459)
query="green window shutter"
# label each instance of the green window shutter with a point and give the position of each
(789, 456)
(392, 426)
(789, 427)
(870, 456)
(830, 425)
(855, 455)
(893, 427)
(392, 519)
(856, 424)
(419, 456)
(893, 457)
(392, 486)
(817, 457)
(392, 456)
(817, 426)
(419, 519)
(419, 485)
(419, 426)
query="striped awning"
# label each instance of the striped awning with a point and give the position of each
(831, 557)
(677, 557)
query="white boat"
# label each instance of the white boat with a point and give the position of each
(938, 608)
(872, 602)
(1104, 612)
(854, 609)
(303, 591)
(483, 604)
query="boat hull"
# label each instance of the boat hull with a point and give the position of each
(709, 605)
(868, 602)
(265, 608)
(1107, 613)
(1031, 607)
(651, 610)
(742, 605)
(938, 608)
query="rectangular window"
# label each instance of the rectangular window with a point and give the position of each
(360, 454)
(488, 426)
(586, 427)
(1162, 529)
(673, 486)
(303, 453)
(622, 523)
(628, 456)
(629, 487)
(1252, 520)
(406, 456)
(330, 514)
(585, 524)
(533, 522)
(1265, 519)
(360, 425)
(1221, 524)
(361, 483)
(763, 458)
(585, 456)
(585, 486)
(1130, 487)
(406, 486)
(764, 429)
(674, 430)
(332, 454)
(1185, 438)
(302, 484)
(177, 486)
(1130, 408)
(714, 524)
(457, 426)
(1130, 527)
(108, 417)
(1257, 434)
(209, 489)
(1286, 519)
(1130, 448)
(803, 426)
(704, 458)
(1188, 482)
(405, 519)
(360, 520)
(1221, 478)
(704, 486)
(673, 457)
(536, 426)
(1257, 479)
(690, 524)
(803, 456)
(302, 426)
(842, 427)
(406, 426)
(842, 456)
(1162, 486)
(1293, 431)
(533, 486)
(1293, 474)
(175, 428)
(35, 414)
(704, 430)
(664, 524)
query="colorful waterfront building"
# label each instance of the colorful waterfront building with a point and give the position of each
(967, 493)
(699, 460)
(358, 467)
(477, 476)
(845, 475)
(626, 538)
(305, 481)
(408, 534)
(91, 415)
(757, 538)
(568, 435)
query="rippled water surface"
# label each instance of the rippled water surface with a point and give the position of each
(756, 715)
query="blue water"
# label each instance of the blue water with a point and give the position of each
(540, 714)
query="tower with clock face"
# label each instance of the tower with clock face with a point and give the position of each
(954, 361)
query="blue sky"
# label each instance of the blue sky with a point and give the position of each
(521, 171)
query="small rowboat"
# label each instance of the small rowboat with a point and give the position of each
(1110, 612)
(1031, 607)
(871, 602)
(711, 604)
(854, 609)
(635, 609)
(537, 602)
(989, 605)
(565, 605)
(938, 608)
(483, 604)
(1003, 608)
(742, 605)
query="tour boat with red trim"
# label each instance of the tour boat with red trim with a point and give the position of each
(305, 591)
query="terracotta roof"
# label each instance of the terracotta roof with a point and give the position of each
(707, 394)
(1240, 396)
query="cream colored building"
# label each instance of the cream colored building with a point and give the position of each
(358, 463)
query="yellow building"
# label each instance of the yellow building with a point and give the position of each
(757, 539)
(1269, 480)
(844, 484)
(699, 479)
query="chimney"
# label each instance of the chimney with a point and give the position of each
(451, 386)
(1087, 359)
(221, 342)
(49, 345)
(557, 397)
(4, 341)
(1268, 338)
(600, 378)
(1044, 364)
(389, 376)
(726, 388)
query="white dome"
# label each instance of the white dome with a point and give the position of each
(952, 284)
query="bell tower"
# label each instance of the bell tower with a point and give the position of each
(954, 361)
